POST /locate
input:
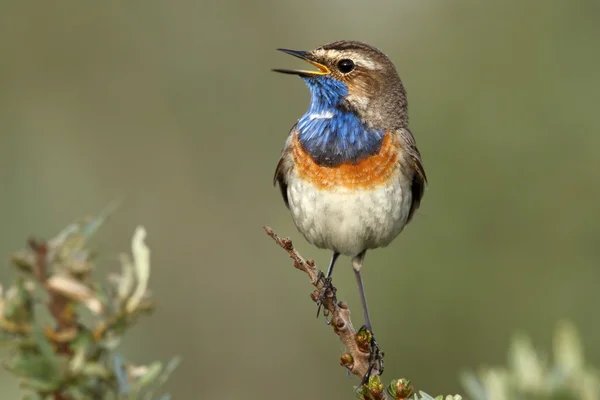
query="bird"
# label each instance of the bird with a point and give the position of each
(350, 172)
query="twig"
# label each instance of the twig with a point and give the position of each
(356, 358)
(60, 307)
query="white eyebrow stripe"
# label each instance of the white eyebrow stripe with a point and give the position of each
(367, 63)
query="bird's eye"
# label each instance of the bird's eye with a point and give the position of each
(345, 66)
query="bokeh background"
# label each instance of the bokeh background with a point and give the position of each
(172, 107)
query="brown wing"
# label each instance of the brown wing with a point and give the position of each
(280, 179)
(283, 167)
(419, 178)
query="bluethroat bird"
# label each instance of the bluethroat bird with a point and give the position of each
(350, 172)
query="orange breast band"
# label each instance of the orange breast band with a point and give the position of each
(368, 173)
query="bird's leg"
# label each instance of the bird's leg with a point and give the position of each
(327, 286)
(376, 355)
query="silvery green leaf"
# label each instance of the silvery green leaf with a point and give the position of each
(162, 378)
(24, 261)
(169, 368)
(40, 373)
(148, 378)
(60, 239)
(95, 369)
(104, 294)
(525, 364)
(121, 375)
(126, 280)
(141, 257)
(111, 341)
(74, 237)
(77, 360)
(590, 386)
(568, 352)
(556, 377)
(44, 346)
(496, 383)
(473, 386)
(92, 226)
(18, 306)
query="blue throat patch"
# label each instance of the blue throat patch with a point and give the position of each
(330, 134)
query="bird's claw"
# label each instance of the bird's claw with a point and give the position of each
(327, 287)
(375, 360)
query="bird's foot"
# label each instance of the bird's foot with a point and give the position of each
(375, 358)
(325, 290)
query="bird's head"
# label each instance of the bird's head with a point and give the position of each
(356, 77)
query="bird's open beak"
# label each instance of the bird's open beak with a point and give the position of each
(304, 55)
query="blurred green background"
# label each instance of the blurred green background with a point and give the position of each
(172, 107)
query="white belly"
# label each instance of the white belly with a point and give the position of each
(349, 221)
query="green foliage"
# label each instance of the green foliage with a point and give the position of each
(531, 376)
(70, 359)
(400, 389)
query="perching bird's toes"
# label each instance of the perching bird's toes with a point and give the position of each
(326, 291)
(375, 357)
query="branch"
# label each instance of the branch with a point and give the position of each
(60, 307)
(356, 358)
